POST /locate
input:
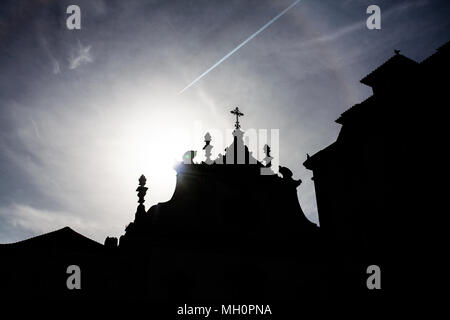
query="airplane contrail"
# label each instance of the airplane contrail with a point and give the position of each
(240, 46)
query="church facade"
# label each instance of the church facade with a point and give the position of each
(231, 220)
(231, 233)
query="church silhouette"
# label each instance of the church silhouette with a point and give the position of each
(235, 231)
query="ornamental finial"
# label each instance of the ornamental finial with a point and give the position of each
(142, 190)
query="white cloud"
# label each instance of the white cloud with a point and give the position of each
(351, 28)
(55, 64)
(37, 221)
(81, 56)
(56, 67)
(83, 144)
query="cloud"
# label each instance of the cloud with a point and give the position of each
(33, 221)
(54, 62)
(72, 148)
(56, 67)
(37, 221)
(82, 56)
(361, 25)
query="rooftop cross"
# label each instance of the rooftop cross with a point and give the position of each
(238, 114)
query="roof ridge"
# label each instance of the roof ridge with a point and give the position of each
(367, 79)
(65, 229)
(353, 107)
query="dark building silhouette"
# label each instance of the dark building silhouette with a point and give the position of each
(224, 202)
(235, 231)
(368, 190)
(229, 231)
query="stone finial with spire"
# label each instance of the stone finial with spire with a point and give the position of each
(208, 147)
(268, 159)
(141, 190)
(267, 169)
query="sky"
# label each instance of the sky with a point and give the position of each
(83, 113)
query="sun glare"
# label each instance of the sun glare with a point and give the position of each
(153, 148)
